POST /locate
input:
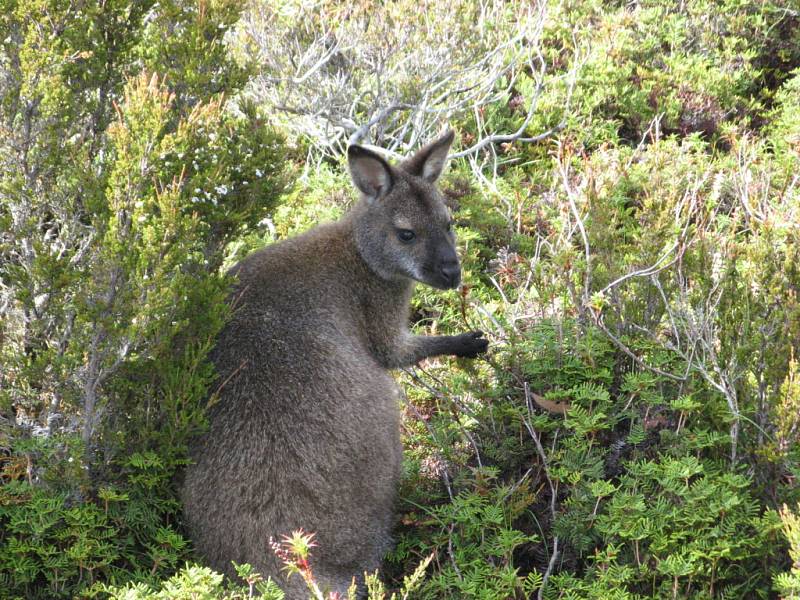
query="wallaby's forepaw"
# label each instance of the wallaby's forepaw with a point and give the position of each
(470, 344)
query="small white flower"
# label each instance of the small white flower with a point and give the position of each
(259, 173)
(221, 189)
(39, 300)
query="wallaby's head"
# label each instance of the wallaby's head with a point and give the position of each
(403, 227)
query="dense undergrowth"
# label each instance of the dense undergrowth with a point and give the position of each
(633, 432)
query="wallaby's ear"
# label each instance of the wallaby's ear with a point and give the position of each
(429, 160)
(369, 172)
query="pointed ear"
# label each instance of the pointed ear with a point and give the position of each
(369, 172)
(429, 160)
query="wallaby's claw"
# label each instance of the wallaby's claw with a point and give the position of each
(471, 344)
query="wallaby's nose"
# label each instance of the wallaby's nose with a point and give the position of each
(451, 271)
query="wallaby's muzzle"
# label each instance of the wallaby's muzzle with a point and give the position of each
(445, 268)
(451, 274)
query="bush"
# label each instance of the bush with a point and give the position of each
(788, 584)
(633, 432)
(120, 192)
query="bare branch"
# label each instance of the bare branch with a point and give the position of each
(364, 80)
(553, 490)
(563, 169)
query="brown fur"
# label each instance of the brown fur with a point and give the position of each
(306, 432)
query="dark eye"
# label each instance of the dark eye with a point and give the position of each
(406, 235)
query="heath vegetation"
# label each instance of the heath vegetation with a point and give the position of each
(626, 193)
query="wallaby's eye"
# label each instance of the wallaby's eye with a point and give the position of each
(406, 235)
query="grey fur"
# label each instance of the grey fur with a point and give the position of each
(306, 430)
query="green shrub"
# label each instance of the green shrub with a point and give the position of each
(120, 192)
(788, 583)
(633, 432)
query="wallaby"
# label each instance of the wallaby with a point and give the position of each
(306, 429)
